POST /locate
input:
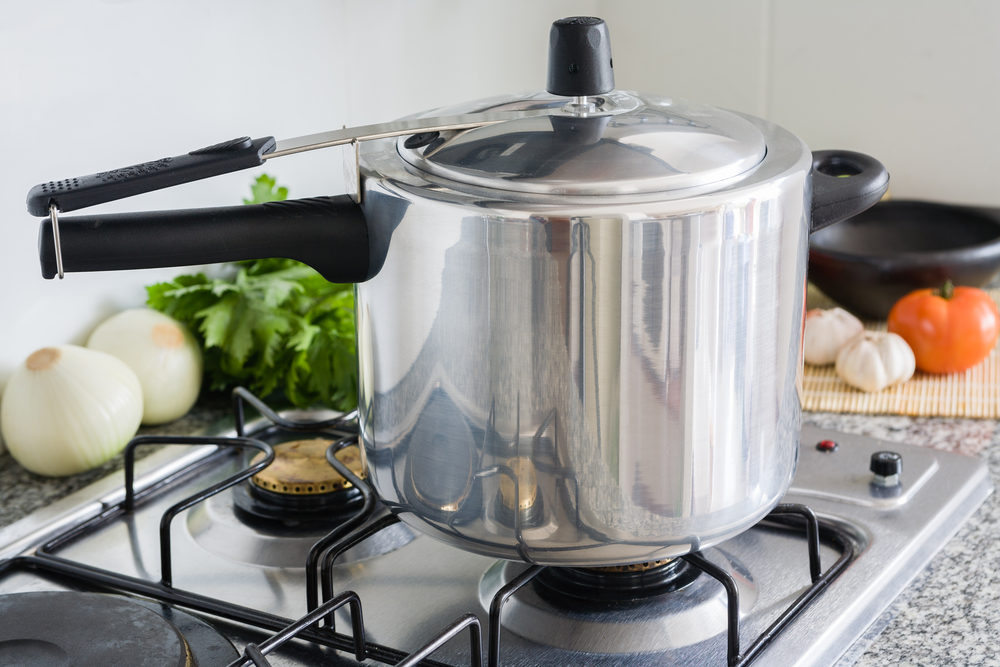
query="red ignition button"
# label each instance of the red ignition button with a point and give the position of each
(827, 445)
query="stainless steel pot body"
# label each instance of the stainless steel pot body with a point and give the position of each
(579, 312)
(584, 381)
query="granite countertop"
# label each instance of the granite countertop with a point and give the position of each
(946, 616)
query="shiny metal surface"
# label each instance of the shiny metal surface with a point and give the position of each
(56, 242)
(349, 135)
(487, 112)
(770, 566)
(410, 593)
(644, 357)
(215, 528)
(657, 145)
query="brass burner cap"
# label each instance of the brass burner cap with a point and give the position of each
(634, 567)
(300, 468)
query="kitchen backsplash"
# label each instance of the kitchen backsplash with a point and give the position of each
(91, 85)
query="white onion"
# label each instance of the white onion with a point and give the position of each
(67, 409)
(163, 355)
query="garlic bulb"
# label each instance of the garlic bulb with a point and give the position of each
(67, 409)
(875, 360)
(827, 331)
(163, 355)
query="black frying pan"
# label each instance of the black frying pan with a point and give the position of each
(868, 262)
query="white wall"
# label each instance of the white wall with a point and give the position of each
(914, 82)
(88, 85)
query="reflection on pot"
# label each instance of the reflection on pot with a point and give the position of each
(441, 461)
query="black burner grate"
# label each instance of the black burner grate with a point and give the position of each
(370, 518)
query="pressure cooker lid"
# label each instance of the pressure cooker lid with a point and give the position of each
(592, 140)
(612, 144)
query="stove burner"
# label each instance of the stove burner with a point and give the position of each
(72, 628)
(300, 468)
(689, 618)
(300, 490)
(602, 587)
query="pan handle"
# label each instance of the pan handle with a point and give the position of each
(327, 233)
(71, 194)
(844, 183)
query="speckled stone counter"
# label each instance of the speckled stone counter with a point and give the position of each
(950, 615)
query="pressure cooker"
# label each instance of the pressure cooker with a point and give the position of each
(579, 312)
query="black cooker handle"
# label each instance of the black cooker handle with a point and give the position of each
(327, 233)
(71, 194)
(844, 183)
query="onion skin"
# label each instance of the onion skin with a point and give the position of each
(68, 409)
(162, 353)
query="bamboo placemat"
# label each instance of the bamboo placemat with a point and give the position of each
(974, 393)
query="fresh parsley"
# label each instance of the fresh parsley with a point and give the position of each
(275, 326)
(266, 189)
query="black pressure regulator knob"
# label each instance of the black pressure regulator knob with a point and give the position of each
(580, 57)
(887, 467)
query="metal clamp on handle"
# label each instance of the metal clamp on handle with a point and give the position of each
(56, 243)
(354, 173)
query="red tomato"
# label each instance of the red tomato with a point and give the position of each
(950, 330)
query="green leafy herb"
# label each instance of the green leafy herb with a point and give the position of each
(266, 189)
(275, 326)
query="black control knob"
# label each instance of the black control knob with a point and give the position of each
(886, 464)
(580, 57)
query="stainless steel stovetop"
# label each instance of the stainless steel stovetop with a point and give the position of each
(412, 587)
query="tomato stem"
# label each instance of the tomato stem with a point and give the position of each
(947, 290)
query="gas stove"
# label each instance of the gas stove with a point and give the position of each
(217, 556)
